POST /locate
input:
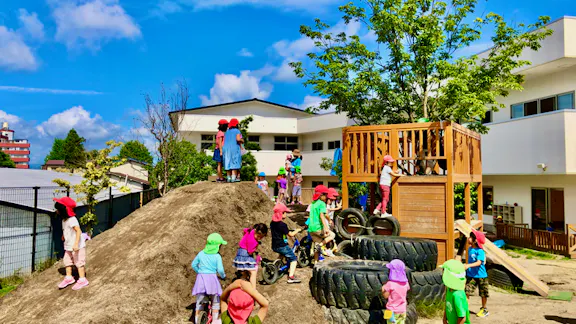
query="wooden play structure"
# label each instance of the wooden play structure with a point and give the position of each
(436, 156)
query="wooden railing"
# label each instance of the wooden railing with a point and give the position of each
(552, 242)
(571, 233)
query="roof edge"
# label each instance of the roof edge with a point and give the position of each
(244, 101)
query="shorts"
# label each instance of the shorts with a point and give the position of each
(217, 157)
(75, 258)
(287, 252)
(318, 237)
(251, 320)
(281, 191)
(202, 298)
(481, 283)
(297, 191)
(399, 318)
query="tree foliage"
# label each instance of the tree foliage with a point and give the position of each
(249, 164)
(5, 161)
(355, 189)
(57, 151)
(415, 69)
(460, 201)
(73, 149)
(136, 150)
(187, 165)
(95, 180)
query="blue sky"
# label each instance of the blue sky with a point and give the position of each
(86, 63)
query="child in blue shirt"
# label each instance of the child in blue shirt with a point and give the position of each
(476, 275)
(208, 265)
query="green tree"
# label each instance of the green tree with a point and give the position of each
(95, 180)
(187, 166)
(355, 189)
(73, 148)
(57, 151)
(5, 161)
(460, 201)
(136, 150)
(415, 70)
(92, 154)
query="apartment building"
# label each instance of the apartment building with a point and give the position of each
(17, 149)
(529, 154)
(278, 129)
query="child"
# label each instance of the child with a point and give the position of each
(231, 150)
(385, 182)
(395, 290)
(297, 188)
(208, 265)
(246, 257)
(319, 225)
(262, 183)
(222, 127)
(288, 163)
(454, 278)
(74, 244)
(550, 227)
(282, 184)
(280, 234)
(238, 302)
(332, 204)
(476, 275)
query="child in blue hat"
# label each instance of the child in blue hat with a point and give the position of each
(262, 183)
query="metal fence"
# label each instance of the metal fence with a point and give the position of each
(30, 234)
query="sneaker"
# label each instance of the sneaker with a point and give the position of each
(229, 179)
(384, 215)
(376, 211)
(81, 283)
(293, 279)
(66, 282)
(483, 312)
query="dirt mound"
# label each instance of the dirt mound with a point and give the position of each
(140, 272)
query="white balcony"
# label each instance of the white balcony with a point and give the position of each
(518, 146)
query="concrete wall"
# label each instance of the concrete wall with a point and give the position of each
(518, 189)
(132, 169)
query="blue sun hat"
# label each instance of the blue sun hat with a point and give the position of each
(261, 174)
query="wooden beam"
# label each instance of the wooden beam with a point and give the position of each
(434, 236)
(449, 151)
(394, 151)
(480, 203)
(467, 202)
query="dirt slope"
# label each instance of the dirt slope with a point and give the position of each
(139, 271)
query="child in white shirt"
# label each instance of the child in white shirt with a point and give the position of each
(385, 182)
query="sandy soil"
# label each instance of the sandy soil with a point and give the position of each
(140, 272)
(516, 308)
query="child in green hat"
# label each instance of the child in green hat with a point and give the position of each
(454, 278)
(208, 265)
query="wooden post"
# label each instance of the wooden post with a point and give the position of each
(449, 151)
(345, 167)
(467, 202)
(395, 192)
(141, 198)
(480, 204)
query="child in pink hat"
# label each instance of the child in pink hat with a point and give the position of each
(395, 290)
(238, 303)
(385, 182)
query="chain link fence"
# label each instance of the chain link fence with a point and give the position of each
(30, 234)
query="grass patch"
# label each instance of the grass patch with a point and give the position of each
(532, 254)
(10, 283)
(434, 310)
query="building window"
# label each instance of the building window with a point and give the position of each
(207, 141)
(487, 117)
(543, 105)
(488, 199)
(334, 185)
(333, 145)
(254, 139)
(319, 146)
(285, 143)
(317, 183)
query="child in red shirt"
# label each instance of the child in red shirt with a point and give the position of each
(222, 127)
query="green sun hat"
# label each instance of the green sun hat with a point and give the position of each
(282, 171)
(454, 276)
(297, 169)
(213, 243)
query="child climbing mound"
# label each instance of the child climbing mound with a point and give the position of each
(297, 186)
(74, 243)
(395, 290)
(280, 234)
(218, 155)
(385, 181)
(238, 303)
(262, 183)
(476, 275)
(282, 184)
(208, 265)
(247, 258)
(454, 278)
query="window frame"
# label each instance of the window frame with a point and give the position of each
(567, 93)
(539, 105)
(204, 142)
(288, 145)
(317, 183)
(318, 146)
(334, 144)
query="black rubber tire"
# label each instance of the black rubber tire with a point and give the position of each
(335, 315)
(501, 277)
(302, 257)
(350, 216)
(388, 226)
(427, 287)
(346, 249)
(418, 254)
(353, 284)
(269, 272)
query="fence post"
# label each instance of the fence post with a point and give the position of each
(110, 207)
(35, 222)
(141, 198)
(67, 192)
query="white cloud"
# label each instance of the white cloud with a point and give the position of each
(31, 25)
(15, 54)
(165, 7)
(304, 5)
(285, 73)
(245, 53)
(88, 126)
(92, 23)
(230, 87)
(474, 49)
(312, 101)
(51, 91)
(6, 117)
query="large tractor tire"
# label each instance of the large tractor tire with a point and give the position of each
(501, 277)
(335, 315)
(353, 284)
(418, 254)
(350, 222)
(388, 226)
(427, 288)
(346, 249)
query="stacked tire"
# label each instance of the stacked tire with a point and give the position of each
(350, 291)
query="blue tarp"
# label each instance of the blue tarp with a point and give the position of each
(337, 157)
